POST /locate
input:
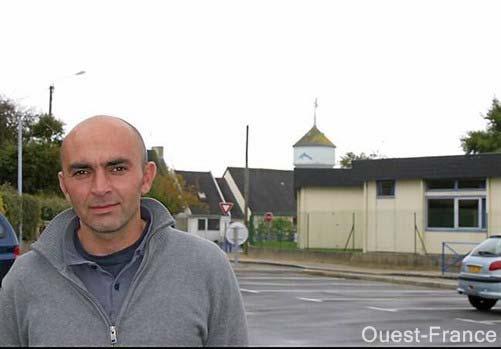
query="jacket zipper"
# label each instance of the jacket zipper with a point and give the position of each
(113, 327)
(113, 331)
(113, 335)
(135, 280)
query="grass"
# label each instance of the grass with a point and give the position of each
(291, 245)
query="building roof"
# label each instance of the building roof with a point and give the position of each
(205, 187)
(325, 177)
(314, 138)
(236, 212)
(269, 190)
(433, 167)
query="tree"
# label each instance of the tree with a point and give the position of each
(42, 137)
(489, 140)
(9, 121)
(349, 157)
(47, 130)
(172, 191)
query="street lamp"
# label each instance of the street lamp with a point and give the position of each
(20, 159)
(51, 91)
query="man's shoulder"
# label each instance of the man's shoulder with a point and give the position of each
(192, 248)
(26, 267)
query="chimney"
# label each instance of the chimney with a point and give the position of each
(159, 150)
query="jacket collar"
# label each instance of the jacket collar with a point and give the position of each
(52, 240)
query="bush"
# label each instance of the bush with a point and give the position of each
(51, 206)
(280, 229)
(2, 207)
(30, 210)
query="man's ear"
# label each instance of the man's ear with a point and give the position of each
(62, 186)
(149, 173)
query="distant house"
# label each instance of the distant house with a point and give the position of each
(206, 220)
(400, 205)
(269, 191)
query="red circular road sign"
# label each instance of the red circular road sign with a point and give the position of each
(268, 217)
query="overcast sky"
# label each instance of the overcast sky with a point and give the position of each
(404, 78)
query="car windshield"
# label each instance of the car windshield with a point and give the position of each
(2, 232)
(488, 248)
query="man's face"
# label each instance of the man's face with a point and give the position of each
(104, 176)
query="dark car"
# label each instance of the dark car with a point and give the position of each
(9, 247)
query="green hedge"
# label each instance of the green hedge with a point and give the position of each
(31, 211)
(51, 206)
(36, 210)
(2, 207)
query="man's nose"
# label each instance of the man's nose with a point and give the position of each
(101, 183)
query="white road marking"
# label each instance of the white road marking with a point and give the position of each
(285, 278)
(435, 308)
(489, 323)
(384, 309)
(285, 284)
(245, 282)
(445, 293)
(249, 291)
(311, 300)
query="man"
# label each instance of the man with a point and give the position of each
(113, 270)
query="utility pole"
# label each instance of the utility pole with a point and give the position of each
(246, 186)
(20, 176)
(51, 91)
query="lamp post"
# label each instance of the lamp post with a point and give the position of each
(51, 91)
(20, 160)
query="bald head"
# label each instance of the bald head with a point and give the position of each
(100, 126)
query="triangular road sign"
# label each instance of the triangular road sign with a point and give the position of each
(225, 207)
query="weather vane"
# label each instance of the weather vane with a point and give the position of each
(315, 112)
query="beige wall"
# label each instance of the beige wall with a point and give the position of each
(383, 224)
(494, 206)
(326, 216)
(390, 220)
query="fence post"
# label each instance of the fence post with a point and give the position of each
(353, 237)
(443, 258)
(308, 231)
(415, 234)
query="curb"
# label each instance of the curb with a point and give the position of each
(396, 278)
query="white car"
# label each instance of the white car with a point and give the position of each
(480, 275)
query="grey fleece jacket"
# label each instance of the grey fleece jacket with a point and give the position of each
(184, 294)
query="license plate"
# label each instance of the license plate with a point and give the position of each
(474, 269)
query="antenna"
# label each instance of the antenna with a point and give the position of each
(315, 112)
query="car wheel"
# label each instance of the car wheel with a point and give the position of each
(482, 304)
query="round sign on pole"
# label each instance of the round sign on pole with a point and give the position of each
(239, 230)
(268, 217)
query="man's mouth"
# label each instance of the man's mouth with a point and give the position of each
(103, 207)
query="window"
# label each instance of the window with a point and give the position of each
(213, 224)
(455, 184)
(457, 204)
(201, 224)
(441, 213)
(441, 184)
(385, 188)
(457, 213)
(471, 184)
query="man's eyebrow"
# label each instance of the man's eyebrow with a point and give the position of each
(118, 161)
(84, 165)
(78, 166)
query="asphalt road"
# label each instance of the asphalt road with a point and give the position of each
(288, 308)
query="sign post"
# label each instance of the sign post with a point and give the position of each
(237, 234)
(226, 210)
